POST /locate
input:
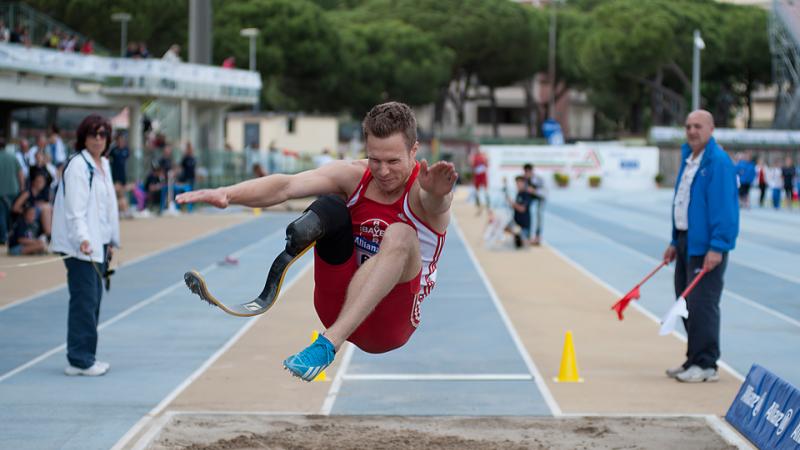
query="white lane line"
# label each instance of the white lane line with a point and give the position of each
(129, 311)
(747, 301)
(144, 421)
(127, 263)
(438, 377)
(537, 376)
(636, 305)
(333, 392)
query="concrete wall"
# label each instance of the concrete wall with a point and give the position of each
(311, 134)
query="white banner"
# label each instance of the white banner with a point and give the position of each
(92, 67)
(619, 167)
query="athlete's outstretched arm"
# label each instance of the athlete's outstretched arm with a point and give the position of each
(338, 177)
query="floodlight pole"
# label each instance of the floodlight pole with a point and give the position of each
(697, 45)
(123, 18)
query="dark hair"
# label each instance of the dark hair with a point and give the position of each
(90, 124)
(389, 118)
(519, 178)
(527, 167)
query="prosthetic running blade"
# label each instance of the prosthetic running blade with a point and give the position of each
(264, 301)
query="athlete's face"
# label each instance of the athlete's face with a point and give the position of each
(390, 161)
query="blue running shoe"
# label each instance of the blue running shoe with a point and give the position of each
(312, 360)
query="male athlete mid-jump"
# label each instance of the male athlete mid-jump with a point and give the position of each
(377, 230)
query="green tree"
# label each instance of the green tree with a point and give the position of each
(389, 60)
(521, 48)
(157, 23)
(298, 50)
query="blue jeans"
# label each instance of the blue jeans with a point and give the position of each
(85, 291)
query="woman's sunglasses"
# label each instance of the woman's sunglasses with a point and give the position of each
(100, 134)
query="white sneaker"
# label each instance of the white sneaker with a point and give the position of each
(97, 369)
(695, 374)
(672, 373)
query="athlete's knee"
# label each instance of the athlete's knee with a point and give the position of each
(324, 215)
(400, 238)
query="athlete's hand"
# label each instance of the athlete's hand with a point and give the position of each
(437, 179)
(214, 197)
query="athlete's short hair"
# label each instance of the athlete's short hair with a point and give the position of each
(389, 118)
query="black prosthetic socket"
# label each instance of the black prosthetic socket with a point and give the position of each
(330, 215)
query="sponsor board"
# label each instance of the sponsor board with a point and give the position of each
(767, 411)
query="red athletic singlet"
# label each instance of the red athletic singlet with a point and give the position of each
(397, 316)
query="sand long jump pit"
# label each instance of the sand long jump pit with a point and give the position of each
(297, 432)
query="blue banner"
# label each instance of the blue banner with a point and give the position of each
(767, 411)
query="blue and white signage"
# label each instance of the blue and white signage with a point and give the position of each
(767, 411)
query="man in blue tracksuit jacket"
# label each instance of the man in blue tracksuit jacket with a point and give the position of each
(705, 223)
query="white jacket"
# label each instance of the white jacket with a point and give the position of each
(76, 215)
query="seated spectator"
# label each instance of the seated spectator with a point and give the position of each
(229, 63)
(35, 197)
(155, 182)
(25, 235)
(45, 169)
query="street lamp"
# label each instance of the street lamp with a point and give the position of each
(123, 18)
(551, 72)
(697, 44)
(251, 33)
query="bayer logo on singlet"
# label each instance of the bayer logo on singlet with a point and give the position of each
(373, 229)
(368, 239)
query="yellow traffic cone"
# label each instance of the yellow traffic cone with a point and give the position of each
(321, 376)
(568, 373)
(256, 211)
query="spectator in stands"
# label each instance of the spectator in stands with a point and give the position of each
(86, 229)
(132, 51)
(166, 160)
(173, 54)
(25, 235)
(144, 53)
(5, 33)
(57, 149)
(788, 173)
(229, 63)
(37, 197)
(15, 36)
(88, 47)
(11, 181)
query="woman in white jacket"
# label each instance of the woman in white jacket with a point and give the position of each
(85, 228)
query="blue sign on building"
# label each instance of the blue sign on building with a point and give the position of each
(767, 411)
(551, 130)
